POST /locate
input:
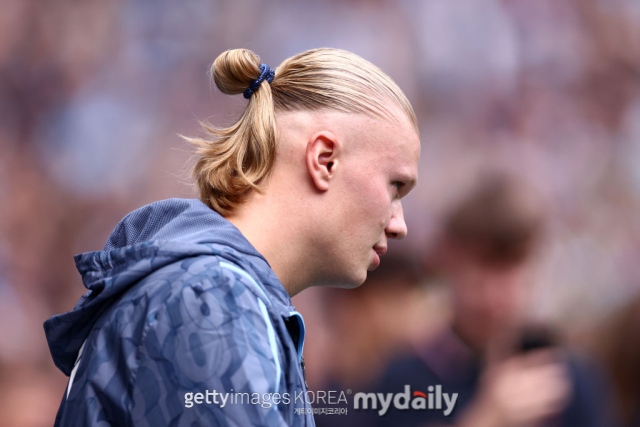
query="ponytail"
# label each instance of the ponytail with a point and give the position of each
(235, 160)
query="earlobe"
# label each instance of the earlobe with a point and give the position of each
(322, 154)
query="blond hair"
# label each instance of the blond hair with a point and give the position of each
(234, 161)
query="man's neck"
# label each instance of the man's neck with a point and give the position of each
(274, 235)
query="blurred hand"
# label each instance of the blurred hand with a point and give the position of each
(520, 391)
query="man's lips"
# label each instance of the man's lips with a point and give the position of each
(378, 251)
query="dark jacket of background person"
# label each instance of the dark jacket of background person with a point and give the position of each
(448, 362)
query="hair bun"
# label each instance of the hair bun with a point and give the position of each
(234, 70)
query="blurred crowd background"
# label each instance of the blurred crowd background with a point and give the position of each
(94, 93)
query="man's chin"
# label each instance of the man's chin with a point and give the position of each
(351, 282)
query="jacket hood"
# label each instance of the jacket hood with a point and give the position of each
(144, 241)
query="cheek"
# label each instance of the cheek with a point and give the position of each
(369, 204)
(378, 204)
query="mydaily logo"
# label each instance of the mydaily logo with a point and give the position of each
(433, 399)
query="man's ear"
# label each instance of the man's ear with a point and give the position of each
(323, 150)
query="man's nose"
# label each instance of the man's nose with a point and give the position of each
(396, 229)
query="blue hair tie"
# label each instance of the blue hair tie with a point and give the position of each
(266, 73)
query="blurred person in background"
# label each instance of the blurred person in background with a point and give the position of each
(506, 371)
(193, 297)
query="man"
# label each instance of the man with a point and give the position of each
(188, 319)
(496, 368)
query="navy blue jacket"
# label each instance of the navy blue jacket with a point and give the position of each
(179, 303)
(447, 361)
